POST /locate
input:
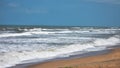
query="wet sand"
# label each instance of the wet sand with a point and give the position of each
(109, 60)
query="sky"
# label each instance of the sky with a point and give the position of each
(60, 12)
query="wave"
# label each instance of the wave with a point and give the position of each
(22, 34)
(108, 42)
(21, 45)
(14, 34)
(55, 51)
(39, 31)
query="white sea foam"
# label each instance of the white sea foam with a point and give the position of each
(36, 29)
(14, 34)
(61, 31)
(22, 34)
(17, 57)
(44, 43)
(107, 42)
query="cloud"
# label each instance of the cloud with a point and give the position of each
(13, 5)
(19, 8)
(34, 11)
(106, 1)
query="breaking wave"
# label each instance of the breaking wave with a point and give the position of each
(44, 43)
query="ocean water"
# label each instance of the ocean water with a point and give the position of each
(19, 44)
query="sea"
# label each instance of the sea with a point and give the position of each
(24, 44)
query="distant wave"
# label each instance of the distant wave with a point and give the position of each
(57, 31)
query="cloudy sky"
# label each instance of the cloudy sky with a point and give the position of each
(60, 12)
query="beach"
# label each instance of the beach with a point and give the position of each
(109, 60)
(59, 33)
(58, 47)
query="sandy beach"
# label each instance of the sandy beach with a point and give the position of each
(109, 60)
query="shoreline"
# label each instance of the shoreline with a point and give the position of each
(84, 55)
(111, 59)
(78, 56)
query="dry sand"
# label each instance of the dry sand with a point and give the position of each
(110, 60)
